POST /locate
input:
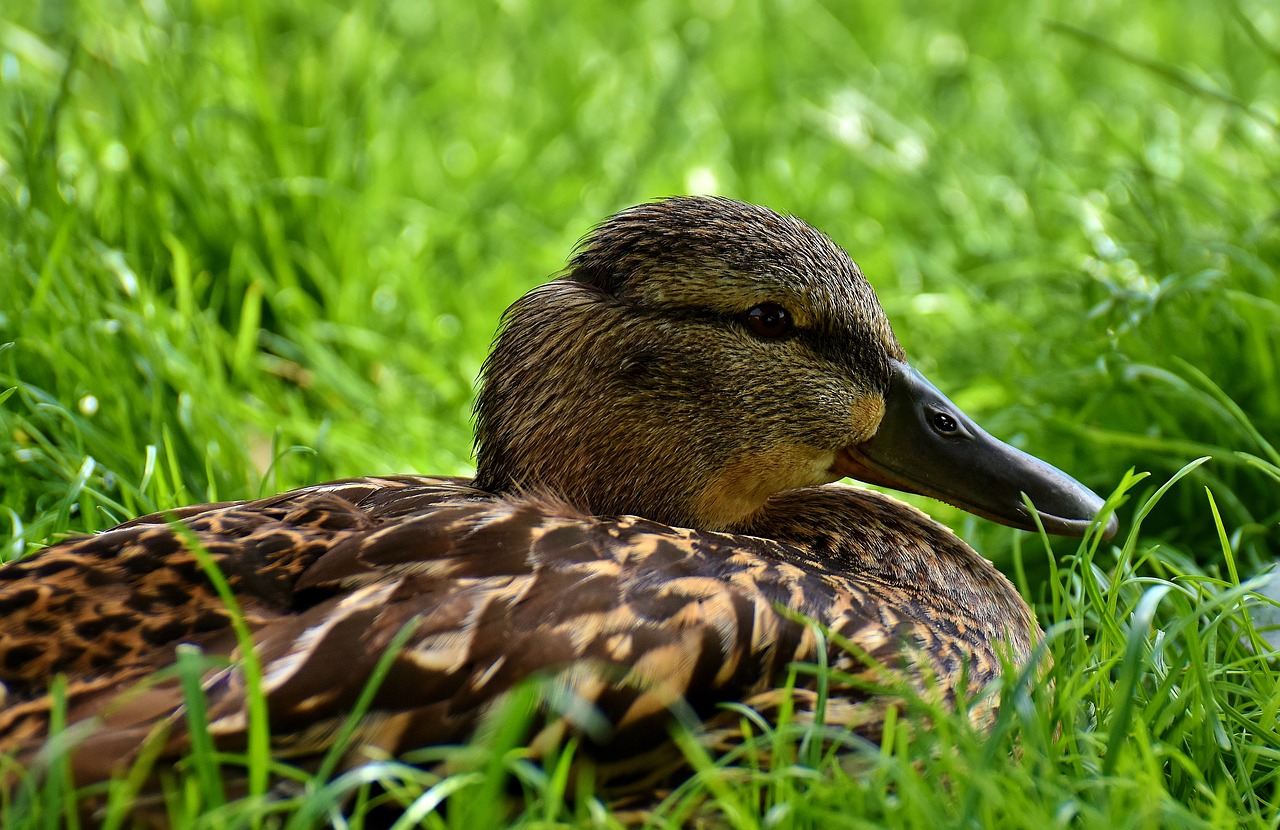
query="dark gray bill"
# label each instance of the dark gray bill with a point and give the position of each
(926, 445)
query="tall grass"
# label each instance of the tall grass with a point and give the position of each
(246, 246)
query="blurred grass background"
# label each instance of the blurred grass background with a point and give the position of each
(247, 246)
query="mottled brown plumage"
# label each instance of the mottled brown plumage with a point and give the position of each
(650, 520)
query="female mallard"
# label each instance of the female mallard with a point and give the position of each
(657, 431)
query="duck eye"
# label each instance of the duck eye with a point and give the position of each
(944, 423)
(769, 321)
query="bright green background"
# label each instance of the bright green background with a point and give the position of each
(246, 246)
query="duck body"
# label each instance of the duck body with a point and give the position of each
(651, 530)
(623, 613)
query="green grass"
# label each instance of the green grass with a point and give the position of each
(246, 246)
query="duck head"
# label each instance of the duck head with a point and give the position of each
(700, 355)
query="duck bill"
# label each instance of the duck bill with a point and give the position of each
(926, 445)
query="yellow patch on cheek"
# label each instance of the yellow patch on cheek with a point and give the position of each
(864, 418)
(742, 487)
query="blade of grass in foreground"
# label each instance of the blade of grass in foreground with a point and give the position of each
(334, 756)
(191, 668)
(258, 752)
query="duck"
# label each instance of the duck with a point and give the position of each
(657, 527)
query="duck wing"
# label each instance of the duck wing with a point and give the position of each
(125, 597)
(618, 620)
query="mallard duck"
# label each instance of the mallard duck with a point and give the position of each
(652, 522)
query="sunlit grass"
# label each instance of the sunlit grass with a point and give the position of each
(248, 246)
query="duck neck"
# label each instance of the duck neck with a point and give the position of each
(567, 410)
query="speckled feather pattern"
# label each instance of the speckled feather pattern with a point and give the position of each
(626, 614)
